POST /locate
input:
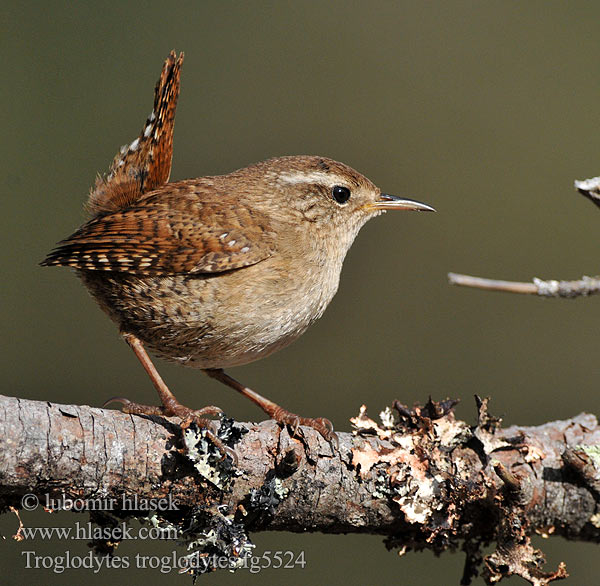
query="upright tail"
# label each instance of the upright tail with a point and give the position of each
(144, 164)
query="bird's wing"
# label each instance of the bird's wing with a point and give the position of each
(162, 239)
(145, 164)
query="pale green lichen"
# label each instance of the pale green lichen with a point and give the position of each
(207, 459)
(387, 418)
(595, 520)
(593, 452)
(280, 490)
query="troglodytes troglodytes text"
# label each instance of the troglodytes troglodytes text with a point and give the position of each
(217, 271)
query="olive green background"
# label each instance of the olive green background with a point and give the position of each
(487, 111)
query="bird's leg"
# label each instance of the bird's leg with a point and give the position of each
(170, 405)
(279, 414)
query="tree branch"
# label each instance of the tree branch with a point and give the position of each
(551, 288)
(583, 287)
(421, 478)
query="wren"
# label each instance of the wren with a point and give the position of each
(216, 271)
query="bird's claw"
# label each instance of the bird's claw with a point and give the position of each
(319, 424)
(186, 415)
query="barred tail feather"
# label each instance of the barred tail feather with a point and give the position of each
(144, 164)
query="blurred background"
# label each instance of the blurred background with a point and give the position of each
(487, 111)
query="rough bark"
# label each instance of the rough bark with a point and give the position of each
(419, 477)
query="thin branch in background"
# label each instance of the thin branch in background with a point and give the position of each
(550, 288)
(590, 188)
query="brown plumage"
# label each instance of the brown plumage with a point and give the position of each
(145, 163)
(161, 235)
(217, 271)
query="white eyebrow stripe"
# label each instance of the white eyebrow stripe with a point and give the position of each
(306, 177)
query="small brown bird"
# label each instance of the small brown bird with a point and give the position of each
(217, 271)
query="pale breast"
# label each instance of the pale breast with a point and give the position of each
(219, 320)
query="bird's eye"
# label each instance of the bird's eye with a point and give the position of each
(340, 194)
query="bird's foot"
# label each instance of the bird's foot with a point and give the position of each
(171, 409)
(186, 414)
(293, 421)
(279, 414)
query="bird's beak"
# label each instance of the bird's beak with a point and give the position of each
(393, 202)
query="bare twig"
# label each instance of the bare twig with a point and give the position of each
(583, 287)
(590, 188)
(551, 288)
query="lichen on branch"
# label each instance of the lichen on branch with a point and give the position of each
(419, 477)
